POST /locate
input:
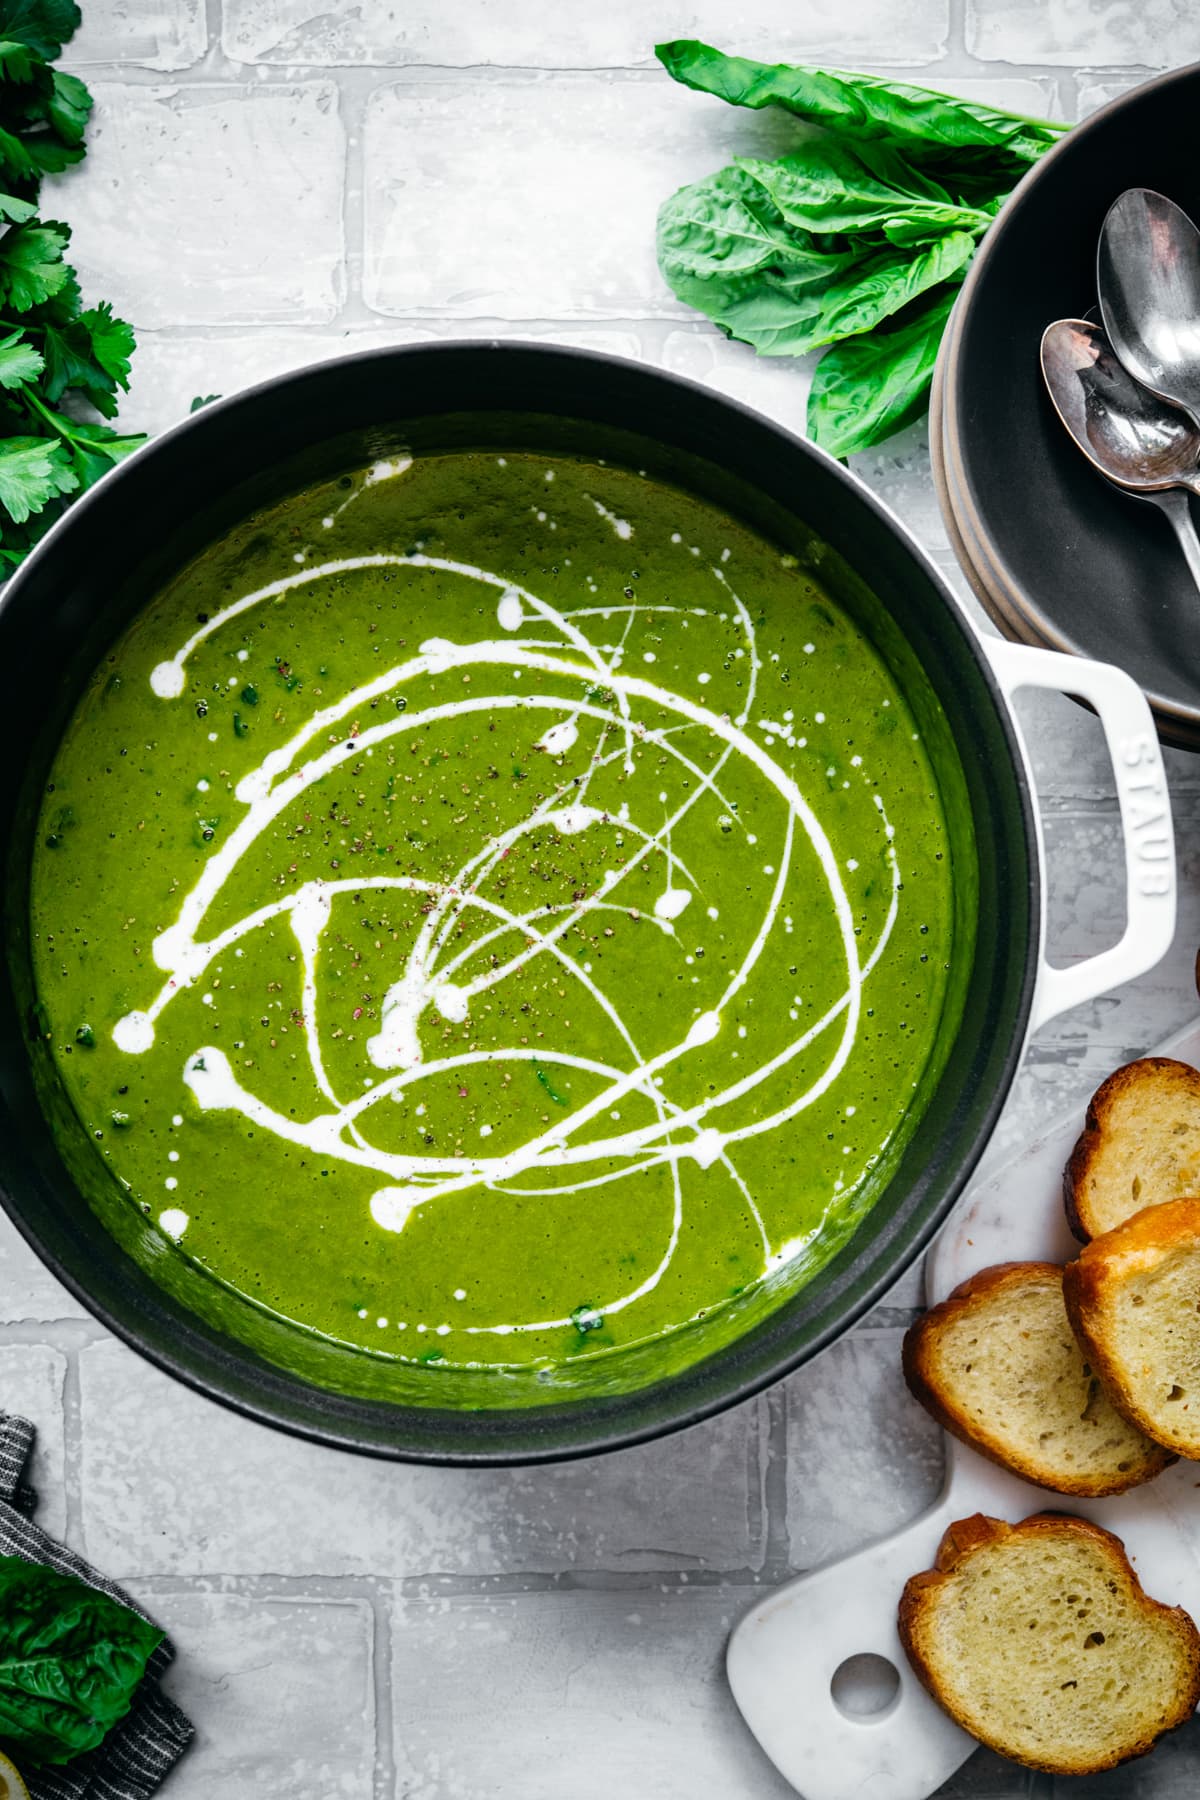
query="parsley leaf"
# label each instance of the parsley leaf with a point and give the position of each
(19, 361)
(61, 363)
(16, 160)
(91, 353)
(31, 264)
(43, 25)
(17, 61)
(68, 107)
(33, 471)
(91, 450)
(112, 340)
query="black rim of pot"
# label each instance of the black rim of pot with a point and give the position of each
(117, 1292)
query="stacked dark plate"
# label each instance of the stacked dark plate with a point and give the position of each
(1057, 556)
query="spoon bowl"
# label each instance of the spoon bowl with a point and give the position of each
(1130, 436)
(1138, 443)
(1148, 276)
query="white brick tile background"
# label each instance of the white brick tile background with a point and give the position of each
(153, 1507)
(306, 1666)
(275, 181)
(618, 1693)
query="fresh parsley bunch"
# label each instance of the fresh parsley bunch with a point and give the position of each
(858, 238)
(60, 361)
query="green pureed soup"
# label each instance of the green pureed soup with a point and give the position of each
(494, 910)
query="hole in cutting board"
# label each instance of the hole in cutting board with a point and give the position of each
(865, 1686)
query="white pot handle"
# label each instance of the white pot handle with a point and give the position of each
(1150, 884)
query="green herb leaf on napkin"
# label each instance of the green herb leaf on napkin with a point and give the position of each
(70, 1658)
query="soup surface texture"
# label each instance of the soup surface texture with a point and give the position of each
(490, 909)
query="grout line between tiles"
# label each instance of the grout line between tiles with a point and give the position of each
(215, 69)
(435, 1585)
(352, 110)
(777, 1557)
(67, 1335)
(381, 1679)
(72, 1398)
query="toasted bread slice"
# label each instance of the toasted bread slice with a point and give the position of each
(1040, 1641)
(1133, 1298)
(998, 1365)
(1140, 1145)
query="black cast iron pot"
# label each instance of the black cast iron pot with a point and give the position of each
(117, 545)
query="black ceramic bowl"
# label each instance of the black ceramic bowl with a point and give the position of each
(110, 553)
(1057, 556)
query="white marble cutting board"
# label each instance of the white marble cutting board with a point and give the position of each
(784, 1654)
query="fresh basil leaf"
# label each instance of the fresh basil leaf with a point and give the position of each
(775, 317)
(870, 386)
(827, 186)
(859, 106)
(70, 1661)
(33, 471)
(725, 249)
(19, 361)
(728, 224)
(881, 287)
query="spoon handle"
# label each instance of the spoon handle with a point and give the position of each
(1174, 503)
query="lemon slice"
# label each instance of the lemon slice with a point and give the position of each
(11, 1785)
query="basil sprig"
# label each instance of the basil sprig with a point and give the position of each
(859, 238)
(70, 1662)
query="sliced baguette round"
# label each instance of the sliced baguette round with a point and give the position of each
(998, 1365)
(1133, 1298)
(1040, 1641)
(1140, 1145)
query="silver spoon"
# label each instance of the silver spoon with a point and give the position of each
(1142, 446)
(1148, 274)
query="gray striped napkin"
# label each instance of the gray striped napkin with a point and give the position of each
(140, 1752)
